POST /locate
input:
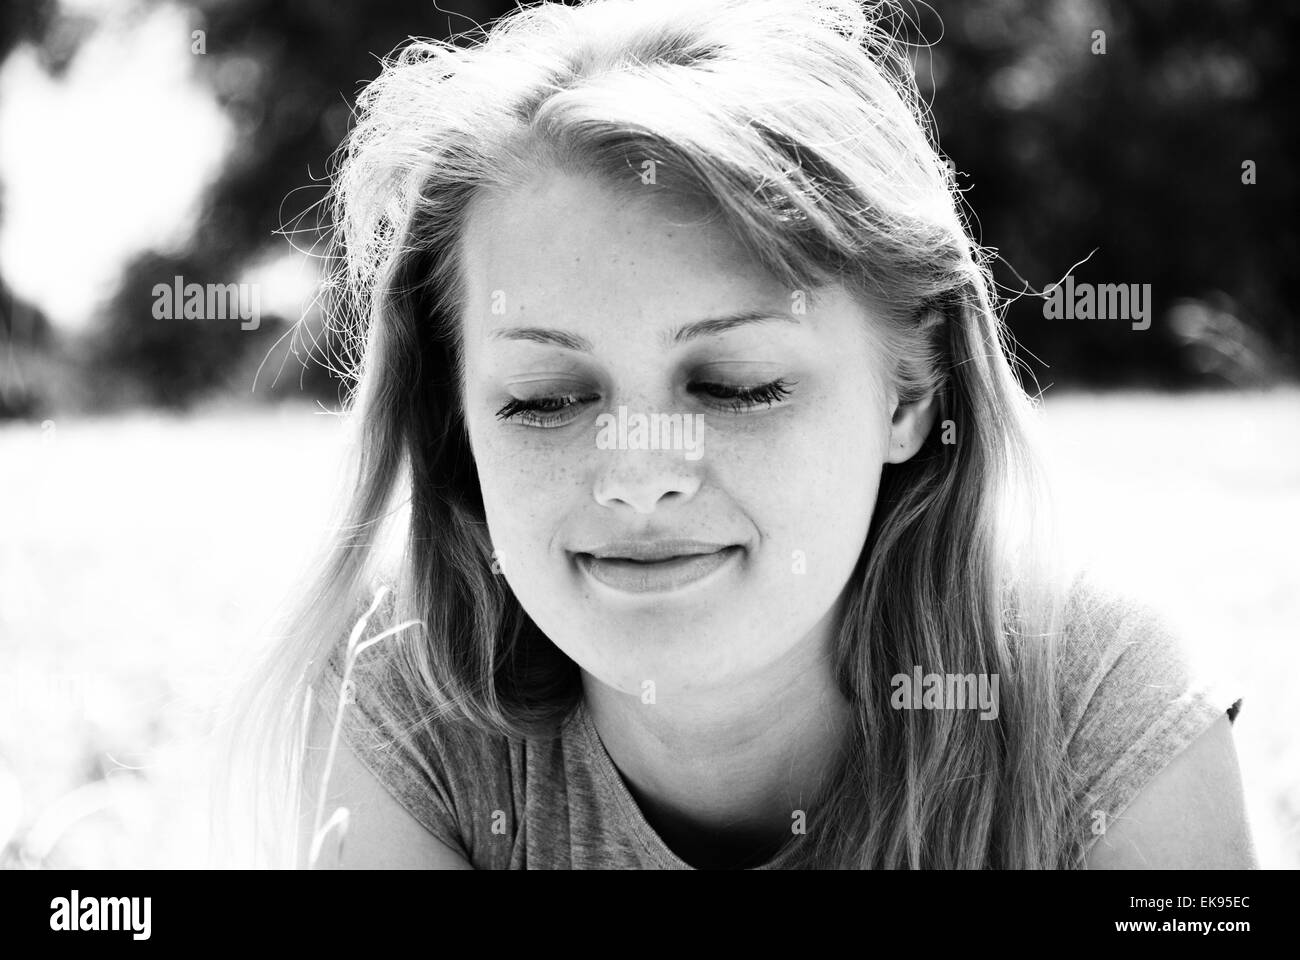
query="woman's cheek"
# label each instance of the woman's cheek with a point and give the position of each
(528, 490)
(810, 489)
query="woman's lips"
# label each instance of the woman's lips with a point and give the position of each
(655, 576)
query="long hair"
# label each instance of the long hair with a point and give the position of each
(799, 125)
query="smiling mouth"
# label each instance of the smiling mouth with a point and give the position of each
(630, 575)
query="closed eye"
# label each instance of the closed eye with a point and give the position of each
(543, 411)
(739, 398)
(559, 410)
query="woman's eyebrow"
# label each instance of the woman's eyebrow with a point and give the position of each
(678, 335)
(715, 325)
(559, 338)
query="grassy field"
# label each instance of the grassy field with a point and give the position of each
(142, 557)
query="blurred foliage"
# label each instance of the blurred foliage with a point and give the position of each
(25, 20)
(1136, 153)
(24, 332)
(29, 341)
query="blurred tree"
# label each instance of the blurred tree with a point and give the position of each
(1136, 152)
(25, 339)
(24, 20)
(24, 331)
(175, 359)
(287, 74)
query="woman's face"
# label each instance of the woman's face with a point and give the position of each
(707, 554)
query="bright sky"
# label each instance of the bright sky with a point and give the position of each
(105, 162)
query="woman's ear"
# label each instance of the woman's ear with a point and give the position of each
(910, 426)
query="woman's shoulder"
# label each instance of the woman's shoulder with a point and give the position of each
(1116, 644)
(388, 682)
(443, 769)
(1132, 695)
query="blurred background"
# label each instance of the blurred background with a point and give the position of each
(164, 477)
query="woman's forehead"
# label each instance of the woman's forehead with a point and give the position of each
(572, 245)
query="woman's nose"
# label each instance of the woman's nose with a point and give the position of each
(640, 479)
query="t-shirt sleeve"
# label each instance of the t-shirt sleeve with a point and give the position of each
(395, 740)
(1133, 702)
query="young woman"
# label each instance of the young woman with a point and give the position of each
(683, 385)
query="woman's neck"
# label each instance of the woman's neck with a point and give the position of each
(727, 776)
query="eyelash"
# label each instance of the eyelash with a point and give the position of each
(540, 411)
(740, 399)
(548, 411)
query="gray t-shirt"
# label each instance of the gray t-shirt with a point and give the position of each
(1131, 703)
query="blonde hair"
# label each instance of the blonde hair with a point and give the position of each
(797, 122)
